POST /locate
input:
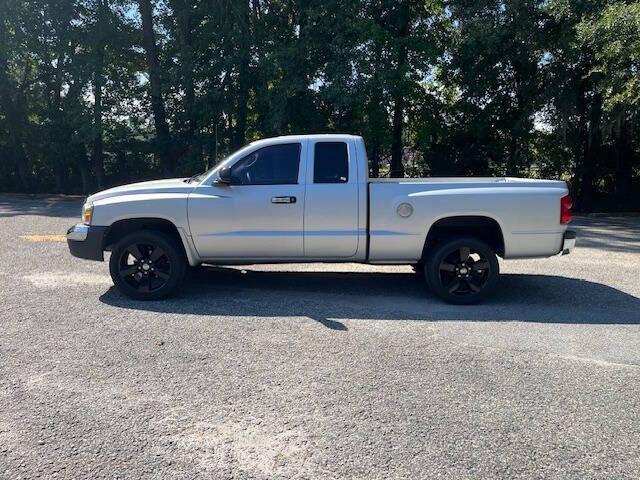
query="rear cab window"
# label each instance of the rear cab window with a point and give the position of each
(331, 162)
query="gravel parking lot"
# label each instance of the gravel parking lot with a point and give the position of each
(317, 371)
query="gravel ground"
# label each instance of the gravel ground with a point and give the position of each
(317, 371)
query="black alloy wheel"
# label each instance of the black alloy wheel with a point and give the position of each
(462, 271)
(147, 265)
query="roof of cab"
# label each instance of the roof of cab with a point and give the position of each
(314, 136)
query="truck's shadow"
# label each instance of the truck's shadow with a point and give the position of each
(328, 297)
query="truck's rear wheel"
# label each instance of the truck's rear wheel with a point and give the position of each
(147, 265)
(462, 271)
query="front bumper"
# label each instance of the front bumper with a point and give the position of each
(568, 243)
(85, 241)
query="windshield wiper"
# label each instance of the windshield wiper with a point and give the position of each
(192, 178)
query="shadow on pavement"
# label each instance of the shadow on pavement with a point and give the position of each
(13, 205)
(614, 234)
(329, 296)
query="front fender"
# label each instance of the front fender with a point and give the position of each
(166, 206)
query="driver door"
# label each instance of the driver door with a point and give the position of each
(260, 215)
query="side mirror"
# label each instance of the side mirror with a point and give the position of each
(224, 176)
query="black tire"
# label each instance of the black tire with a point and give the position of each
(462, 271)
(147, 265)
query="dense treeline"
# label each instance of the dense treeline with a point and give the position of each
(99, 92)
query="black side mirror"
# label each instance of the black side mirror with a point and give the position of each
(224, 176)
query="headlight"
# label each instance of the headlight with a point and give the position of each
(87, 212)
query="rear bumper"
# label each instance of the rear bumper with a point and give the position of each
(568, 242)
(85, 241)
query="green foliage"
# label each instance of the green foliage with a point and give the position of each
(542, 88)
(614, 37)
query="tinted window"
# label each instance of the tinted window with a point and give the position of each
(331, 163)
(273, 165)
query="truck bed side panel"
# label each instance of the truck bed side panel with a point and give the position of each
(528, 214)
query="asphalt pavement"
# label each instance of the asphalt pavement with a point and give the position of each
(317, 371)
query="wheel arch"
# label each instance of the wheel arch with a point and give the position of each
(483, 227)
(123, 227)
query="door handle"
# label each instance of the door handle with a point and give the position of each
(283, 199)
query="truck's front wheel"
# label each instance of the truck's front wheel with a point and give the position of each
(462, 271)
(147, 265)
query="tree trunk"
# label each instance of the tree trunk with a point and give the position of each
(53, 155)
(163, 138)
(184, 20)
(57, 161)
(375, 158)
(80, 156)
(624, 158)
(85, 178)
(397, 169)
(512, 162)
(58, 133)
(97, 154)
(243, 100)
(377, 118)
(376, 113)
(592, 150)
(243, 74)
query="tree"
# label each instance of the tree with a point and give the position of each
(15, 62)
(614, 37)
(163, 137)
(437, 87)
(494, 56)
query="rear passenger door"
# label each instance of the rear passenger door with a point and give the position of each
(331, 201)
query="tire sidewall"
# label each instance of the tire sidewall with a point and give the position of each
(173, 252)
(432, 270)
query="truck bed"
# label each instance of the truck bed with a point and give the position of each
(527, 211)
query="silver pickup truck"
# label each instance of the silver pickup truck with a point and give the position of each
(309, 198)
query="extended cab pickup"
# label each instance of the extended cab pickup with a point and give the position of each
(309, 198)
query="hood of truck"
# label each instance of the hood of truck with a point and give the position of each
(171, 185)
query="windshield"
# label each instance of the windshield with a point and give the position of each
(201, 176)
(197, 178)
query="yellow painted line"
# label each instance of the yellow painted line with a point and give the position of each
(44, 238)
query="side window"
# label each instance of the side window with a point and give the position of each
(272, 165)
(331, 163)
